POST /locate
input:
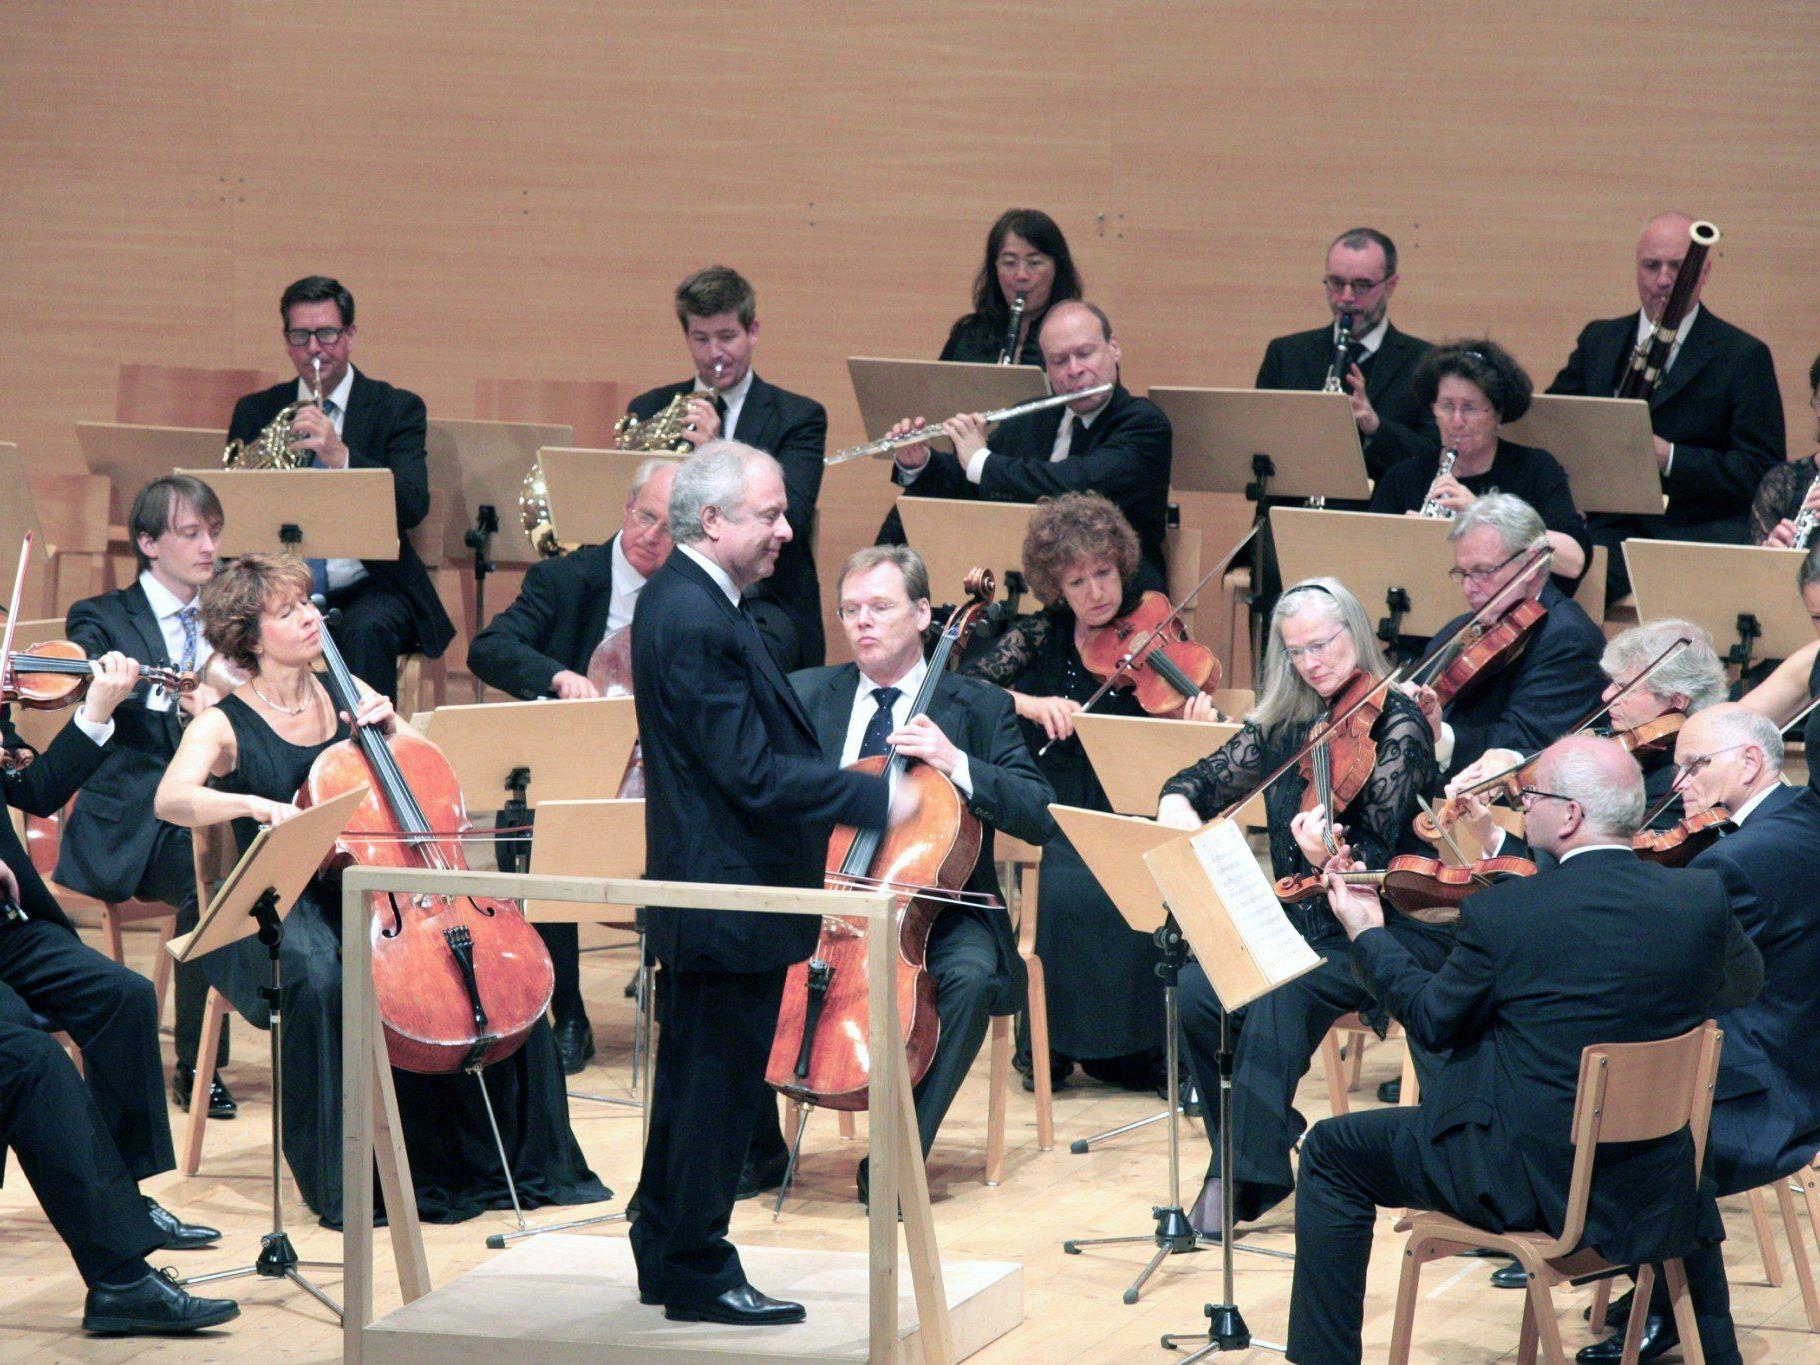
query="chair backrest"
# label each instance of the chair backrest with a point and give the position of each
(182, 395)
(589, 406)
(1636, 1092)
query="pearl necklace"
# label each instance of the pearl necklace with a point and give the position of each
(281, 710)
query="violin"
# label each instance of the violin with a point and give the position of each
(1486, 649)
(1148, 651)
(56, 673)
(1652, 736)
(610, 670)
(461, 980)
(1422, 888)
(1338, 765)
(820, 1053)
(1683, 841)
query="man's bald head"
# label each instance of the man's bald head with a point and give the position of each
(1602, 779)
(1660, 251)
(1728, 754)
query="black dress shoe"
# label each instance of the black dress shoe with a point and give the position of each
(1617, 1312)
(1390, 1092)
(155, 1304)
(178, 1235)
(1659, 1337)
(221, 1100)
(755, 1177)
(1511, 1276)
(743, 1306)
(574, 1043)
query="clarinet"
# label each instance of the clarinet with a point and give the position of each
(1008, 356)
(1336, 369)
(1433, 506)
(1805, 520)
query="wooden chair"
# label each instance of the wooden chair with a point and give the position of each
(1343, 1053)
(1628, 1092)
(589, 407)
(1807, 1181)
(73, 510)
(182, 395)
(212, 856)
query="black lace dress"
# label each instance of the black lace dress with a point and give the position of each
(1104, 997)
(454, 1163)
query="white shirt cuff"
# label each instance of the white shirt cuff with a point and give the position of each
(1668, 465)
(101, 731)
(907, 476)
(962, 777)
(1444, 746)
(977, 464)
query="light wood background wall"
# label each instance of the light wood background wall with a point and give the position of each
(513, 189)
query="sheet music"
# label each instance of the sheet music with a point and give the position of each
(1251, 903)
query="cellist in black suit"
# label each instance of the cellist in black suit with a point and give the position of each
(736, 791)
(1601, 948)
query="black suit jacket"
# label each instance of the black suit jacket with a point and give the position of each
(1009, 791)
(1405, 427)
(1766, 1112)
(1125, 456)
(736, 788)
(43, 788)
(1529, 703)
(1719, 405)
(554, 624)
(384, 428)
(794, 430)
(1604, 948)
(108, 838)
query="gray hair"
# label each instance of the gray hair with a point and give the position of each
(1518, 524)
(716, 475)
(1739, 725)
(1286, 696)
(646, 468)
(1693, 671)
(909, 564)
(1609, 793)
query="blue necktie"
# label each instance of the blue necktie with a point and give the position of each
(191, 636)
(881, 724)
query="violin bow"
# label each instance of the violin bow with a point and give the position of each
(12, 610)
(1452, 846)
(1445, 653)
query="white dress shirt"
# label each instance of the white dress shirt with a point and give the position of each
(734, 398)
(720, 576)
(626, 584)
(168, 610)
(1755, 801)
(342, 572)
(1369, 343)
(1646, 328)
(1064, 441)
(865, 706)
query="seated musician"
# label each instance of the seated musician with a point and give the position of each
(1716, 411)
(1105, 1003)
(388, 606)
(244, 760)
(1115, 444)
(719, 316)
(1602, 947)
(1027, 257)
(85, 1148)
(1790, 488)
(1394, 424)
(1320, 644)
(1796, 680)
(1527, 694)
(542, 645)
(113, 848)
(1472, 387)
(969, 734)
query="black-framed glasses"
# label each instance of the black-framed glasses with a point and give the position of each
(1528, 795)
(300, 336)
(1360, 288)
(1460, 575)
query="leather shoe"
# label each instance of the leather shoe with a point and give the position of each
(1659, 1337)
(742, 1306)
(574, 1043)
(755, 1177)
(156, 1304)
(178, 1235)
(1617, 1312)
(1390, 1092)
(221, 1100)
(1510, 1276)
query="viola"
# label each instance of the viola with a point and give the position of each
(56, 673)
(1415, 885)
(820, 1053)
(1486, 649)
(1148, 651)
(1683, 841)
(461, 980)
(610, 670)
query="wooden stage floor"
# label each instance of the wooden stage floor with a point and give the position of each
(1074, 1312)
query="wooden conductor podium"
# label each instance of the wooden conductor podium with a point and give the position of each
(313, 513)
(1744, 595)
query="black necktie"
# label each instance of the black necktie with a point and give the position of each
(720, 411)
(1355, 355)
(881, 724)
(1077, 436)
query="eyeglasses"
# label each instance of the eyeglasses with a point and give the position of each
(1359, 288)
(1036, 260)
(1319, 647)
(1460, 575)
(1698, 763)
(1528, 795)
(878, 611)
(300, 336)
(1449, 408)
(645, 520)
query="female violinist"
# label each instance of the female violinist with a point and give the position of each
(1105, 1003)
(1796, 680)
(243, 760)
(1319, 648)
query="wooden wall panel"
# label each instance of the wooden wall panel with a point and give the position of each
(516, 189)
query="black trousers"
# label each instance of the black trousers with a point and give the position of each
(564, 943)
(170, 877)
(708, 1083)
(50, 1118)
(376, 626)
(1278, 1035)
(112, 1013)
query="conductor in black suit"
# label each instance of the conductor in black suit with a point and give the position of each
(1602, 948)
(969, 734)
(736, 791)
(1381, 361)
(388, 606)
(719, 316)
(1716, 410)
(1115, 444)
(114, 848)
(541, 646)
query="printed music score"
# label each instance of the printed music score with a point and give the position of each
(1279, 952)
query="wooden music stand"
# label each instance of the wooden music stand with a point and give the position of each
(18, 515)
(1113, 847)
(1743, 594)
(315, 513)
(1378, 556)
(131, 456)
(1133, 756)
(1293, 444)
(888, 391)
(588, 489)
(591, 407)
(604, 838)
(957, 535)
(481, 465)
(1604, 444)
(487, 745)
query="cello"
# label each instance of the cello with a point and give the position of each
(461, 980)
(820, 1054)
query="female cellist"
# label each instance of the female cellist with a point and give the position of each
(244, 760)
(1320, 655)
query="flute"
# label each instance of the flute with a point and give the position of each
(886, 444)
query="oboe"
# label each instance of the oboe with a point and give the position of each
(1805, 520)
(1342, 347)
(930, 433)
(1008, 356)
(1434, 507)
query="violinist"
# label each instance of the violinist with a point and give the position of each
(1320, 646)
(1105, 1003)
(970, 734)
(541, 646)
(1524, 694)
(243, 760)
(1766, 1108)
(1796, 680)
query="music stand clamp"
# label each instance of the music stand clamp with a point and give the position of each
(1390, 628)
(1263, 470)
(1750, 630)
(479, 539)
